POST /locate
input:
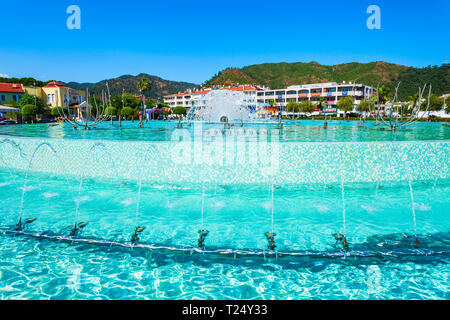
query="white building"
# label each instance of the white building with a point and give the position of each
(331, 91)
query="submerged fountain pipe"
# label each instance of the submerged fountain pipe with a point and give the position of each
(399, 251)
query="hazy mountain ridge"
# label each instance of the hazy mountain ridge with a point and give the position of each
(160, 87)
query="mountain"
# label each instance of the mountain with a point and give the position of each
(160, 87)
(281, 75)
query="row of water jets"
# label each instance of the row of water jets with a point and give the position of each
(150, 154)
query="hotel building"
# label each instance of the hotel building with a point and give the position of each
(332, 92)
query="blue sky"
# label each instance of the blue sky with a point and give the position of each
(192, 40)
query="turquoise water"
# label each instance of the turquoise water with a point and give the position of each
(375, 215)
(305, 130)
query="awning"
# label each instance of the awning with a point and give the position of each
(156, 111)
(8, 109)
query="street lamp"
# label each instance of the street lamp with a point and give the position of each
(35, 93)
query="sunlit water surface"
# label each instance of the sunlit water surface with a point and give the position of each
(305, 217)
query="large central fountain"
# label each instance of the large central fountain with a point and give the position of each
(223, 106)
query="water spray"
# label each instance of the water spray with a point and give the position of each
(342, 237)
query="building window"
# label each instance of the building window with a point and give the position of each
(3, 97)
(14, 97)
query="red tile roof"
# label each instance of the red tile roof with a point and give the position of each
(238, 88)
(11, 88)
(54, 84)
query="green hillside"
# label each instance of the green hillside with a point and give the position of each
(281, 75)
(160, 87)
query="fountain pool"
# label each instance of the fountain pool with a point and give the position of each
(385, 193)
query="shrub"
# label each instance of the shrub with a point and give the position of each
(29, 99)
(127, 112)
(29, 112)
(179, 110)
(110, 111)
(306, 106)
(56, 112)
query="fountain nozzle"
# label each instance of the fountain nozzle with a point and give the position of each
(20, 226)
(341, 238)
(77, 228)
(271, 239)
(416, 242)
(135, 236)
(201, 240)
(345, 243)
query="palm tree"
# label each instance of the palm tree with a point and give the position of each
(272, 102)
(143, 86)
(384, 94)
(413, 99)
(321, 102)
